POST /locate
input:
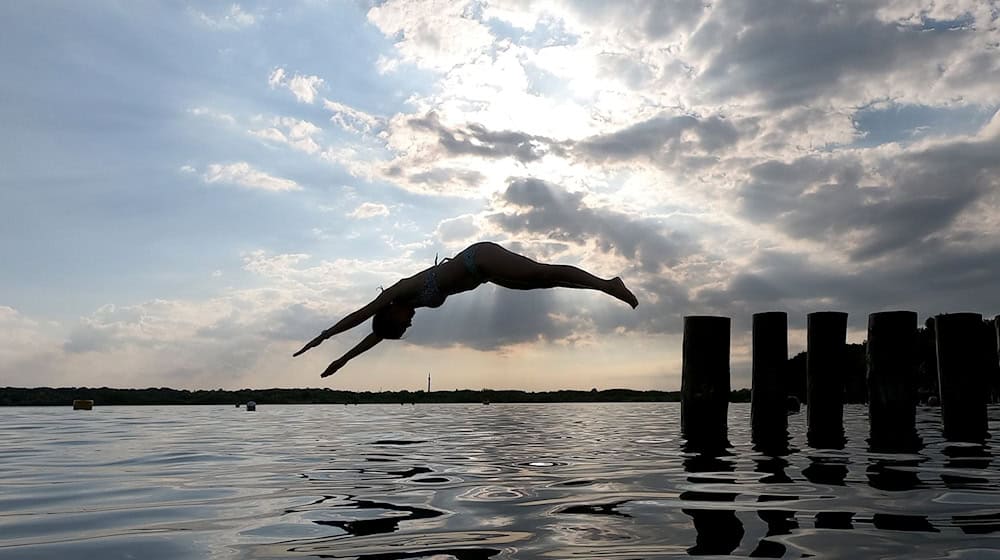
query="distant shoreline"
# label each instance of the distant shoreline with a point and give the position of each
(64, 396)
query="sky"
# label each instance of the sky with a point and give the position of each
(191, 191)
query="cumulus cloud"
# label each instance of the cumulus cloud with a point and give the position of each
(351, 119)
(369, 210)
(889, 202)
(436, 34)
(547, 210)
(782, 55)
(305, 88)
(458, 229)
(243, 174)
(299, 134)
(276, 78)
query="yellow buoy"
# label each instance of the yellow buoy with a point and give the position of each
(83, 404)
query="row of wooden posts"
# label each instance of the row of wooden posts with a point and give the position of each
(963, 354)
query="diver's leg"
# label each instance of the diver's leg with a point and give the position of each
(518, 272)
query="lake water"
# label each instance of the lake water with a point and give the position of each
(473, 482)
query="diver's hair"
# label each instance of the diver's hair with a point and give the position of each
(385, 326)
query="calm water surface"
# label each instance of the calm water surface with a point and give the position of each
(473, 482)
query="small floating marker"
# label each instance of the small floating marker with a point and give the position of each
(251, 406)
(83, 404)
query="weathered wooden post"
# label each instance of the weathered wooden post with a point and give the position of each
(996, 327)
(892, 375)
(962, 369)
(705, 382)
(826, 339)
(768, 416)
(995, 365)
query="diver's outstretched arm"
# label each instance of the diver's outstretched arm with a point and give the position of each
(352, 320)
(360, 348)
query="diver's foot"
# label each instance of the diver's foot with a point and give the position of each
(619, 291)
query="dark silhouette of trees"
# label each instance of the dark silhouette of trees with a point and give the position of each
(103, 396)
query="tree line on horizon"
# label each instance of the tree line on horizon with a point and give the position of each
(48, 396)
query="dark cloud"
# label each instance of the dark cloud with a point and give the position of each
(665, 140)
(824, 199)
(792, 54)
(440, 176)
(662, 307)
(542, 208)
(661, 138)
(649, 19)
(476, 139)
(935, 278)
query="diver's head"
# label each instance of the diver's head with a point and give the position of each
(392, 321)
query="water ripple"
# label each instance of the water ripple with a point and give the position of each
(472, 482)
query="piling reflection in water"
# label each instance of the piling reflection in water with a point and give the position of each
(894, 475)
(719, 531)
(827, 470)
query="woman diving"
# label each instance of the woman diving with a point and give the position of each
(393, 309)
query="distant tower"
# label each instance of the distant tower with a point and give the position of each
(428, 383)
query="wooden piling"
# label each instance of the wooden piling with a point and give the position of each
(962, 371)
(892, 375)
(996, 327)
(768, 415)
(826, 340)
(995, 366)
(705, 382)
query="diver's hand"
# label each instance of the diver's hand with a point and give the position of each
(313, 343)
(333, 367)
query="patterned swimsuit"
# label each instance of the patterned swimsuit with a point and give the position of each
(430, 295)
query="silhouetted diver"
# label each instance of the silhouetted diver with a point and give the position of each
(393, 309)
